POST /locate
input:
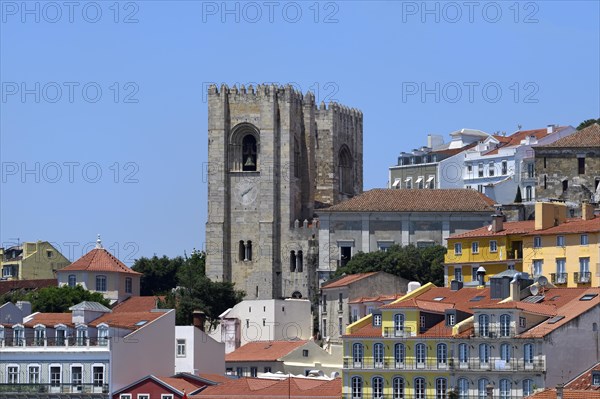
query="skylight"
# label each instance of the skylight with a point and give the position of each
(439, 298)
(476, 298)
(555, 319)
(588, 297)
(141, 322)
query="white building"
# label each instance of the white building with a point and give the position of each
(498, 165)
(91, 351)
(197, 352)
(264, 320)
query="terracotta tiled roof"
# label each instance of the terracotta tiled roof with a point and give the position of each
(98, 259)
(26, 285)
(567, 394)
(294, 388)
(181, 384)
(588, 137)
(379, 298)
(515, 139)
(218, 378)
(138, 304)
(584, 380)
(535, 308)
(439, 298)
(347, 280)
(366, 331)
(263, 351)
(417, 200)
(50, 319)
(527, 227)
(132, 320)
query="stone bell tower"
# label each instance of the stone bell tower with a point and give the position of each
(273, 158)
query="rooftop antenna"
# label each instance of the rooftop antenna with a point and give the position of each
(519, 127)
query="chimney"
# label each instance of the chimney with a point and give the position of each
(497, 222)
(481, 275)
(515, 288)
(550, 129)
(587, 211)
(549, 214)
(199, 319)
(559, 391)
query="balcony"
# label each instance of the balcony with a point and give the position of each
(53, 342)
(494, 331)
(559, 278)
(393, 332)
(432, 364)
(582, 277)
(54, 388)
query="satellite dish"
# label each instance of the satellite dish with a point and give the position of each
(534, 289)
(542, 281)
(490, 227)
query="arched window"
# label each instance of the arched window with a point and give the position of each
(398, 388)
(101, 283)
(249, 153)
(398, 324)
(505, 389)
(421, 354)
(103, 335)
(249, 250)
(505, 352)
(292, 261)
(399, 355)
(481, 388)
(356, 388)
(484, 353)
(441, 386)
(378, 355)
(484, 325)
(241, 251)
(527, 387)
(505, 325)
(357, 354)
(346, 172)
(528, 354)
(442, 354)
(463, 353)
(299, 262)
(377, 387)
(72, 280)
(39, 335)
(463, 388)
(419, 388)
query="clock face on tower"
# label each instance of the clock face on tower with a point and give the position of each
(246, 192)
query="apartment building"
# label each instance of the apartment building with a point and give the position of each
(434, 342)
(31, 261)
(564, 250)
(90, 351)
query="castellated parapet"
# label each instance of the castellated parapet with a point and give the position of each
(274, 157)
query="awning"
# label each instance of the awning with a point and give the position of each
(419, 180)
(430, 179)
(408, 179)
(396, 182)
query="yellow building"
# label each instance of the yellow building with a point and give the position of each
(564, 250)
(436, 341)
(31, 261)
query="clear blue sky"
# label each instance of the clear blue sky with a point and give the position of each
(147, 133)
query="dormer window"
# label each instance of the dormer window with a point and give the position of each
(72, 280)
(61, 334)
(450, 319)
(377, 320)
(596, 378)
(39, 335)
(103, 335)
(81, 335)
(18, 335)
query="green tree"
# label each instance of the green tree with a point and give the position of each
(159, 275)
(587, 122)
(412, 263)
(60, 299)
(196, 292)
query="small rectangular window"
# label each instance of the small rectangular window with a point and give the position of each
(581, 165)
(304, 352)
(522, 322)
(376, 319)
(537, 242)
(458, 248)
(583, 240)
(166, 396)
(560, 241)
(493, 246)
(475, 247)
(181, 348)
(595, 379)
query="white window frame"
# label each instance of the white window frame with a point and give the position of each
(166, 396)
(143, 396)
(538, 267)
(101, 386)
(458, 276)
(537, 242)
(125, 396)
(71, 374)
(39, 373)
(475, 247)
(493, 246)
(178, 345)
(50, 367)
(560, 241)
(408, 183)
(8, 374)
(457, 245)
(99, 286)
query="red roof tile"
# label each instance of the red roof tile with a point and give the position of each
(50, 319)
(347, 280)
(535, 308)
(294, 388)
(366, 331)
(527, 227)
(181, 384)
(138, 304)
(379, 298)
(132, 320)
(26, 285)
(567, 394)
(263, 351)
(98, 259)
(515, 138)
(439, 200)
(588, 137)
(584, 380)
